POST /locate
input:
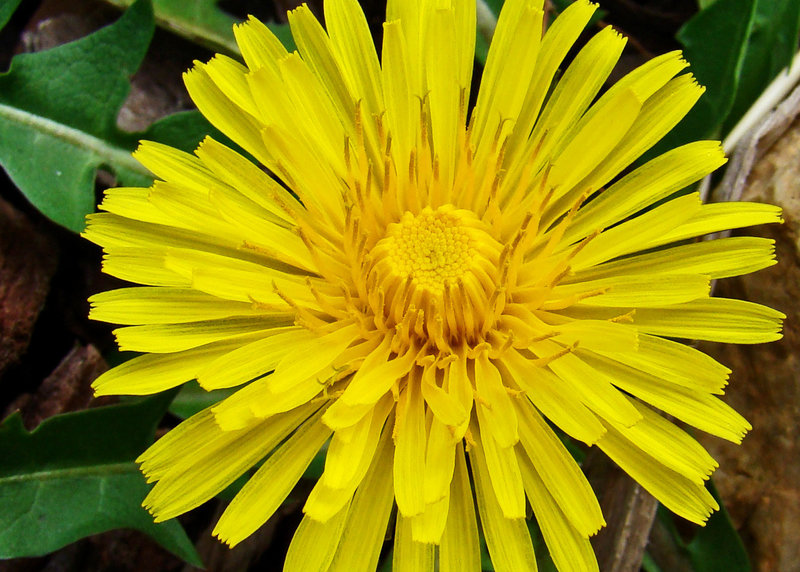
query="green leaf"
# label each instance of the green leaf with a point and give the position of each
(769, 49)
(204, 22)
(74, 476)
(7, 9)
(714, 42)
(58, 118)
(58, 112)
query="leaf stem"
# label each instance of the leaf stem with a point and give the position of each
(772, 96)
(59, 473)
(114, 156)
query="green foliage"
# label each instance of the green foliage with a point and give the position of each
(769, 49)
(203, 22)
(58, 114)
(74, 476)
(736, 47)
(715, 43)
(7, 8)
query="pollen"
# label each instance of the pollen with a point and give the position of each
(440, 265)
(433, 248)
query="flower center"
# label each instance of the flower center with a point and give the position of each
(432, 248)
(434, 274)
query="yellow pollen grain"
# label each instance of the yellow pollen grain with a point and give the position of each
(433, 265)
(432, 248)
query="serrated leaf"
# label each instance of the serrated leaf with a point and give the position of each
(204, 22)
(74, 476)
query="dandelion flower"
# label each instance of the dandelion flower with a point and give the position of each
(430, 290)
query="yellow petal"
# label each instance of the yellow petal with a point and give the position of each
(595, 138)
(266, 490)
(559, 471)
(252, 360)
(409, 456)
(501, 96)
(428, 526)
(197, 459)
(372, 504)
(173, 165)
(410, 555)
(592, 388)
(225, 115)
(659, 114)
(493, 401)
(163, 306)
(168, 338)
(459, 550)
(676, 363)
(324, 500)
(443, 405)
(632, 235)
(152, 373)
(314, 543)
(314, 111)
(569, 549)
(133, 203)
(245, 177)
(315, 47)
(148, 268)
(679, 494)
(555, 401)
(352, 448)
(376, 375)
(258, 44)
(637, 291)
(230, 77)
(673, 447)
(442, 67)
(715, 217)
(503, 471)
(439, 459)
(713, 319)
(507, 539)
(561, 35)
(697, 408)
(574, 93)
(652, 182)
(720, 258)
(351, 41)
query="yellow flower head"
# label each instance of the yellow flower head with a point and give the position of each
(429, 289)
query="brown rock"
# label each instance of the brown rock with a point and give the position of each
(27, 262)
(760, 480)
(68, 388)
